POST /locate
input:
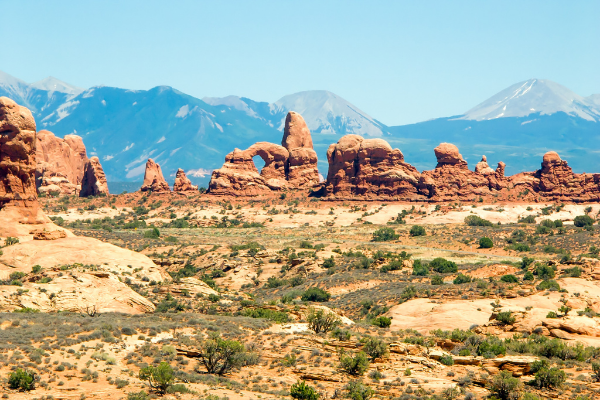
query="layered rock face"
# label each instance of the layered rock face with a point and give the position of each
(369, 168)
(292, 165)
(153, 178)
(452, 180)
(556, 181)
(18, 195)
(60, 163)
(94, 180)
(182, 183)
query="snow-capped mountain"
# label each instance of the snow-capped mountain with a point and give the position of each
(51, 84)
(535, 96)
(323, 111)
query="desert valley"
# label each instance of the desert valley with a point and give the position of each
(376, 280)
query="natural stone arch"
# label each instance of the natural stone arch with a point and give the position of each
(274, 156)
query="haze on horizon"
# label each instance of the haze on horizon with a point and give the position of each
(398, 61)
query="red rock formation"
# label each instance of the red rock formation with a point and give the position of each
(369, 168)
(94, 180)
(153, 178)
(292, 165)
(182, 183)
(556, 181)
(452, 180)
(18, 195)
(60, 163)
(239, 175)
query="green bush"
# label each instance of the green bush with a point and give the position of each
(393, 265)
(316, 294)
(9, 241)
(356, 390)
(153, 233)
(505, 387)
(159, 378)
(474, 220)
(375, 348)
(437, 280)
(341, 334)
(549, 285)
(22, 380)
(417, 230)
(300, 390)
(544, 272)
(549, 378)
(355, 365)
(36, 269)
(447, 359)
(486, 243)
(509, 278)
(506, 317)
(142, 395)
(462, 278)
(328, 262)
(443, 266)
(419, 269)
(528, 276)
(385, 235)
(272, 315)
(382, 322)
(530, 219)
(583, 220)
(321, 321)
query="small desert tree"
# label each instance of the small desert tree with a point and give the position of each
(505, 387)
(301, 391)
(355, 365)
(159, 378)
(321, 321)
(219, 356)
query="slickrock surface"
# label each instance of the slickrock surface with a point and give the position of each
(182, 183)
(94, 180)
(153, 178)
(292, 165)
(60, 163)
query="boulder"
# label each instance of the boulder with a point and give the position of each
(369, 168)
(182, 183)
(447, 154)
(153, 178)
(94, 180)
(59, 163)
(483, 168)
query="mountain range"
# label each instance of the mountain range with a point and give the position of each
(125, 127)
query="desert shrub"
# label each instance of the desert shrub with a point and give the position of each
(542, 230)
(574, 272)
(530, 219)
(544, 272)
(583, 220)
(528, 276)
(316, 294)
(417, 230)
(9, 241)
(419, 269)
(153, 233)
(382, 322)
(356, 390)
(272, 315)
(509, 278)
(505, 387)
(274, 282)
(549, 285)
(474, 220)
(520, 247)
(393, 265)
(486, 243)
(142, 395)
(437, 280)
(505, 317)
(375, 348)
(328, 262)
(341, 334)
(355, 365)
(22, 380)
(549, 378)
(385, 235)
(447, 360)
(300, 390)
(219, 356)
(36, 269)
(159, 378)
(596, 369)
(321, 321)
(443, 266)
(462, 278)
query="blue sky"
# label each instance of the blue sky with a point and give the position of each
(401, 62)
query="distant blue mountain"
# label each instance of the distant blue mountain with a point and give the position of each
(125, 127)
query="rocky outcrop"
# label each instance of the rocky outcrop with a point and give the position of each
(154, 180)
(182, 183)
(94, 180)
(60, 163)
(556, 181)
(18, 195)
(369, 168)
(452, 180)
(293, 165)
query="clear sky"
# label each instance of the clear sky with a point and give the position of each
(399, 61)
